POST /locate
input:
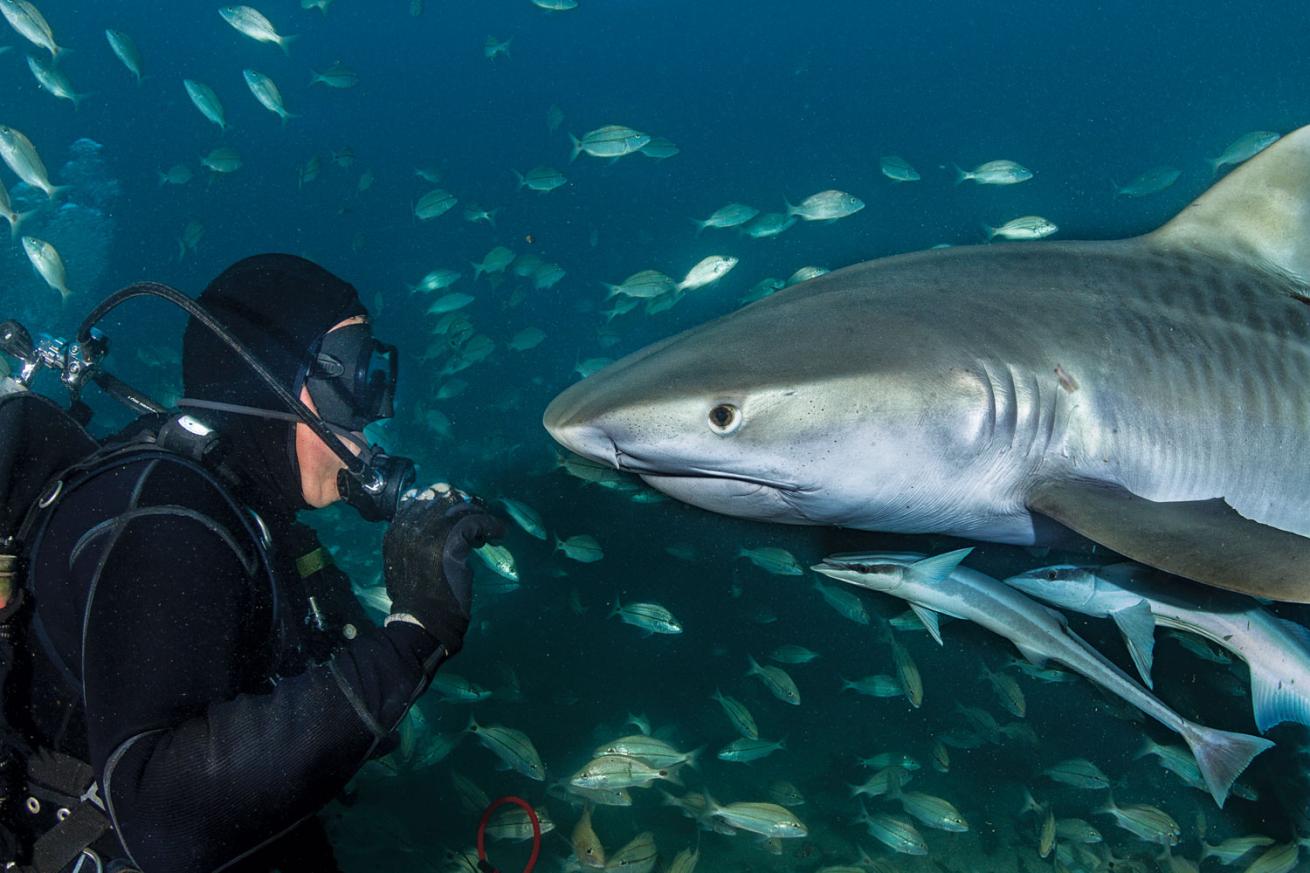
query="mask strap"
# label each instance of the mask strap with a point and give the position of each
(240, 410)
(366, 451)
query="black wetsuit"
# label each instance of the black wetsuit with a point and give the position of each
(217, 718)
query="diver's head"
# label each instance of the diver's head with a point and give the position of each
(350, 382)
(311, 332)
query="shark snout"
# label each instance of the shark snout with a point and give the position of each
(572, 426)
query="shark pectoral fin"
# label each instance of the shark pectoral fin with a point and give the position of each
(1137, 625)
(929, 619)
(1203, 540)
(1258, 213)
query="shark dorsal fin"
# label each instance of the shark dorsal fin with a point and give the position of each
(1259, 213)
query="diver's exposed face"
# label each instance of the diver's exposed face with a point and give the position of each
(319, 464)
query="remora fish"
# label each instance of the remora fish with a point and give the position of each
(1137, 598)
(939, 585)
(1184, 452)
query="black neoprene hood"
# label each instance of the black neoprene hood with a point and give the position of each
(278, 306)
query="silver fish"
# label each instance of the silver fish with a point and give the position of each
(640, 854)
(619, 771)
(47, 263)
(206, 101)
(898, 169)
(995, 173)
(52, 80)
(30, 24)
(1025, 227)
(582, 548)
(744, 750)
(895, 832)
(846, 602)
(776, 679)
(765, 819)
(707, 271)
(935, 812)
(252, 23)
(1079, 773)
(1245, 147)
(21, 156)
(541, 179)
(1148, 822)
(336, 76)
(267, 93)
(648, 749)
(650, 617)
(511, 746)
(732, 215)
(126, 51)
(1151, 181)
(525, 517)
(779, 562)
(769, 225)
(826, 206)
(738, 714)
(610, 141)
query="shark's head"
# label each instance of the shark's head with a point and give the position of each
(781, 412)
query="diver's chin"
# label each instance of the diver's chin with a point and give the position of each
(735, 497)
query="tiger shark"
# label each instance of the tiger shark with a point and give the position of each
(1151, 394)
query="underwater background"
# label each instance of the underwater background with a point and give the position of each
(766, 102)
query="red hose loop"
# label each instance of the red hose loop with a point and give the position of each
(483, 864)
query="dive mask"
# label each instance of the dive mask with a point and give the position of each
(352, 377)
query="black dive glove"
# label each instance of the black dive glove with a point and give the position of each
(425, 559)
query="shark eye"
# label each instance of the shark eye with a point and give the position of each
(1052, 575)
(725, 418)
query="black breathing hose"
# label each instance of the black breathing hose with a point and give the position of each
(354, 465)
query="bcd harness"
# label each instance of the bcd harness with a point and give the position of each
(52, 817)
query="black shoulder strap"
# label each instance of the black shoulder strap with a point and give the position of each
(106, 459)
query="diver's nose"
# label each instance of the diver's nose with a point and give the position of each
(569, 424)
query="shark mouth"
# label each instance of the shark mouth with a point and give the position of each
(723, 492)
(631, 464)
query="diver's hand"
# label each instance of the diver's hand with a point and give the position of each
(425, 560)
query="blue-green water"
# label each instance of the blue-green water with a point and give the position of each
(766, 101)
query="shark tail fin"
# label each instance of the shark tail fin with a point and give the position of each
(1221, 755)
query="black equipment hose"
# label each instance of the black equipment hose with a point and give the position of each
(354, 465)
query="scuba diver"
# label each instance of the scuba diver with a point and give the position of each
(197, 678)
